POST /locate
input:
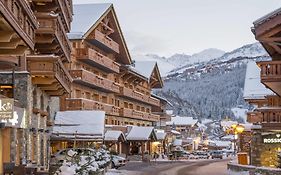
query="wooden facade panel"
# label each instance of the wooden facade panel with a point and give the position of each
(271, 75)
(49, 70)
(106, 41)
(254, 117)
(89, 78)
(95, 58)
(127, 92)
(52, 26)
(21, 18)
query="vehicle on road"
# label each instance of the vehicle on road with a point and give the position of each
(118, 161)
(217, 154)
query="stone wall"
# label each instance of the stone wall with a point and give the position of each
(253, 170)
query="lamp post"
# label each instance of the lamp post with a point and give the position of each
(237, 129)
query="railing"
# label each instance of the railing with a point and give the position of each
(96, 57)
(53, 25)
(65, 8)
(49, 66)
(107, 41)
(86, 104)
(94, 80)
(254, 117)
(139, 96)
(270, 70)
(21, 17)
(131, 113)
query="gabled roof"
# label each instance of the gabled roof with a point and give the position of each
(79, 123)
(267, 17)
(253, 88)
(113, 135)
(148, 69)
(141, 133)
(87, 17)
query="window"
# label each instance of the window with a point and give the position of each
(6, 91)
(42, 102)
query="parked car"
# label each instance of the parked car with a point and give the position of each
(118, 161)
(217, 155)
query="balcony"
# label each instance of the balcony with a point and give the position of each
(254, 117)
(94, 58)
(62, 7)
(139, 115)
(271, 75)
(271, 117)
(20, 17)
(51, 37)
(49, 74)
(86, 104)
(135, 95)
(105, 42)
(92, 80)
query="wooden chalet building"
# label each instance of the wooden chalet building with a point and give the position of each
(34, 53)
(104, 77)
(265, 142)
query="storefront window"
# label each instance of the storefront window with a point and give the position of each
(6, 91)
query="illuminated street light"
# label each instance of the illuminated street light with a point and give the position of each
(237, 129)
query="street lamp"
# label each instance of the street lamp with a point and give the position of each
(237, 129)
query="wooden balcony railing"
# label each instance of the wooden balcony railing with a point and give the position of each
(86, 104)
(52, 25)
(93, 80)
(21, 18)
(95, 58)
(254, 117)
(131, 113)
(66, 9)
(106, 41)
(49, 73)
(271, 117)
(127, 92)
(61, 7)
(271, 75)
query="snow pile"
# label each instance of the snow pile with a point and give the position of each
(238, 173)
(240, 113)
(89, 161)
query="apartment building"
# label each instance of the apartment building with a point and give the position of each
(265, 142)
(34, 50)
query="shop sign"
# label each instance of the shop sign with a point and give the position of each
(6, 108)
(272, 138)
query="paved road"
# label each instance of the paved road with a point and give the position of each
(198, 167)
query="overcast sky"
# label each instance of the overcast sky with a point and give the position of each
(166, 27)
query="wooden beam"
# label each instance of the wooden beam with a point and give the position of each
(12, 52)
(14, 42)
(43, 81)
(44, 39)
(6, 36)
(53, 87)
(275, 47)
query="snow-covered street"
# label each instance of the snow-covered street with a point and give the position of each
(198, 167)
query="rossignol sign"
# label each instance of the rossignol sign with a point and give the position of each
(272, 138)
(6, 108)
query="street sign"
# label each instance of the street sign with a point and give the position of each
(6, 108)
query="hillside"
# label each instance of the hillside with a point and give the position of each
(212, 88)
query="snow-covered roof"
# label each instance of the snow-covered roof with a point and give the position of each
(253, 88)
(221, 143)
(177, 142)
(175, 132)
(162, 98)
(84, 123)
(228, 124)
(267, 17)
(160, 134)
(182, 121)
(170, 112)
(112, 135)
(141, 133)
(145, 67)
(85, 16)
